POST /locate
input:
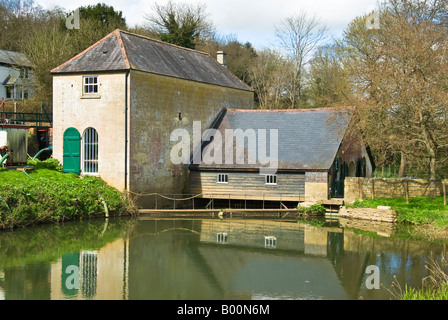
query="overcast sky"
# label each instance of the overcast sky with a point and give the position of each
(249, 20)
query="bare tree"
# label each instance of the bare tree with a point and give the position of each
(300, 35)
(268, 76)
(400, 72)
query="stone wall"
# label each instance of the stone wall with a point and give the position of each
(379, 214)
(159, 105)
(316, 186)
(387, 188)
(385, 229)
(104, 112)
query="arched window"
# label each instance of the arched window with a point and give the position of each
(90, 144)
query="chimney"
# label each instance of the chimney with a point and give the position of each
(221, 57)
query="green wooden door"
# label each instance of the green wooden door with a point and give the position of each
(72, 151)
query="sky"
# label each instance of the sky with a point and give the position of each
(251, 21)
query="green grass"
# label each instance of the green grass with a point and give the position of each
(419, 211)
(439, 293)
(434, 286)
(47, 195)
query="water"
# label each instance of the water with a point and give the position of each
(206, 259)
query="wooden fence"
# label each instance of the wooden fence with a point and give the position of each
(392, 187)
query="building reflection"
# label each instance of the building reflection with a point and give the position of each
(188, 259)
(99, 274)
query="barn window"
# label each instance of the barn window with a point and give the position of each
(222, 178)
(90, 151)
(270, 242)
(271, 179)
(221, 237)
(90, 85)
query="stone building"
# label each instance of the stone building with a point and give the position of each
(116, 104)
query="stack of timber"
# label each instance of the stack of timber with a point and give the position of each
(383, 214)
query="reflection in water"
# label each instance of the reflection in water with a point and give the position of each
(204, 259)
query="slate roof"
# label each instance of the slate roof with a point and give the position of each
(122, 50)
(308, 139)
(14, 58)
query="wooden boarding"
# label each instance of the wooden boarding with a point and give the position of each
(216, 211)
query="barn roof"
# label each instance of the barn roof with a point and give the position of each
(122, 50)
(14, 58)
(308, 139)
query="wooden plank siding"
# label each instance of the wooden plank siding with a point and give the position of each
(248, 185)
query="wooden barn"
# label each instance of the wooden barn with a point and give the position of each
(309, 153)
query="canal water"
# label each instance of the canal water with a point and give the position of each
(209, 259)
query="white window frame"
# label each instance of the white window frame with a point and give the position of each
(89, 84)
(270, 180)
(90, 151)
(222, 178)
(270, 242)
(221, 237)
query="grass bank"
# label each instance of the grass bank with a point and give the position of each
(419, 211)
(422, 219)
(45, 195)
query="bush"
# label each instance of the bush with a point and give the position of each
(50, 164)
(315, 209)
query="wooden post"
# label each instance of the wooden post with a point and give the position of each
(280, 201)
(263, 201)
(406, 190)
(360, 188)
(444, 192)
(373, 188)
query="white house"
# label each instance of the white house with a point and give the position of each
(15, 76)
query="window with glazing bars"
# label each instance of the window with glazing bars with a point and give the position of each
(90, 85)
(222, 178)
(271, 179)
(90, 151)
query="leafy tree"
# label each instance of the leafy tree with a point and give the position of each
(104, 14)
(240, 57)
(181, 24)
(96, 21)
(328, 82)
